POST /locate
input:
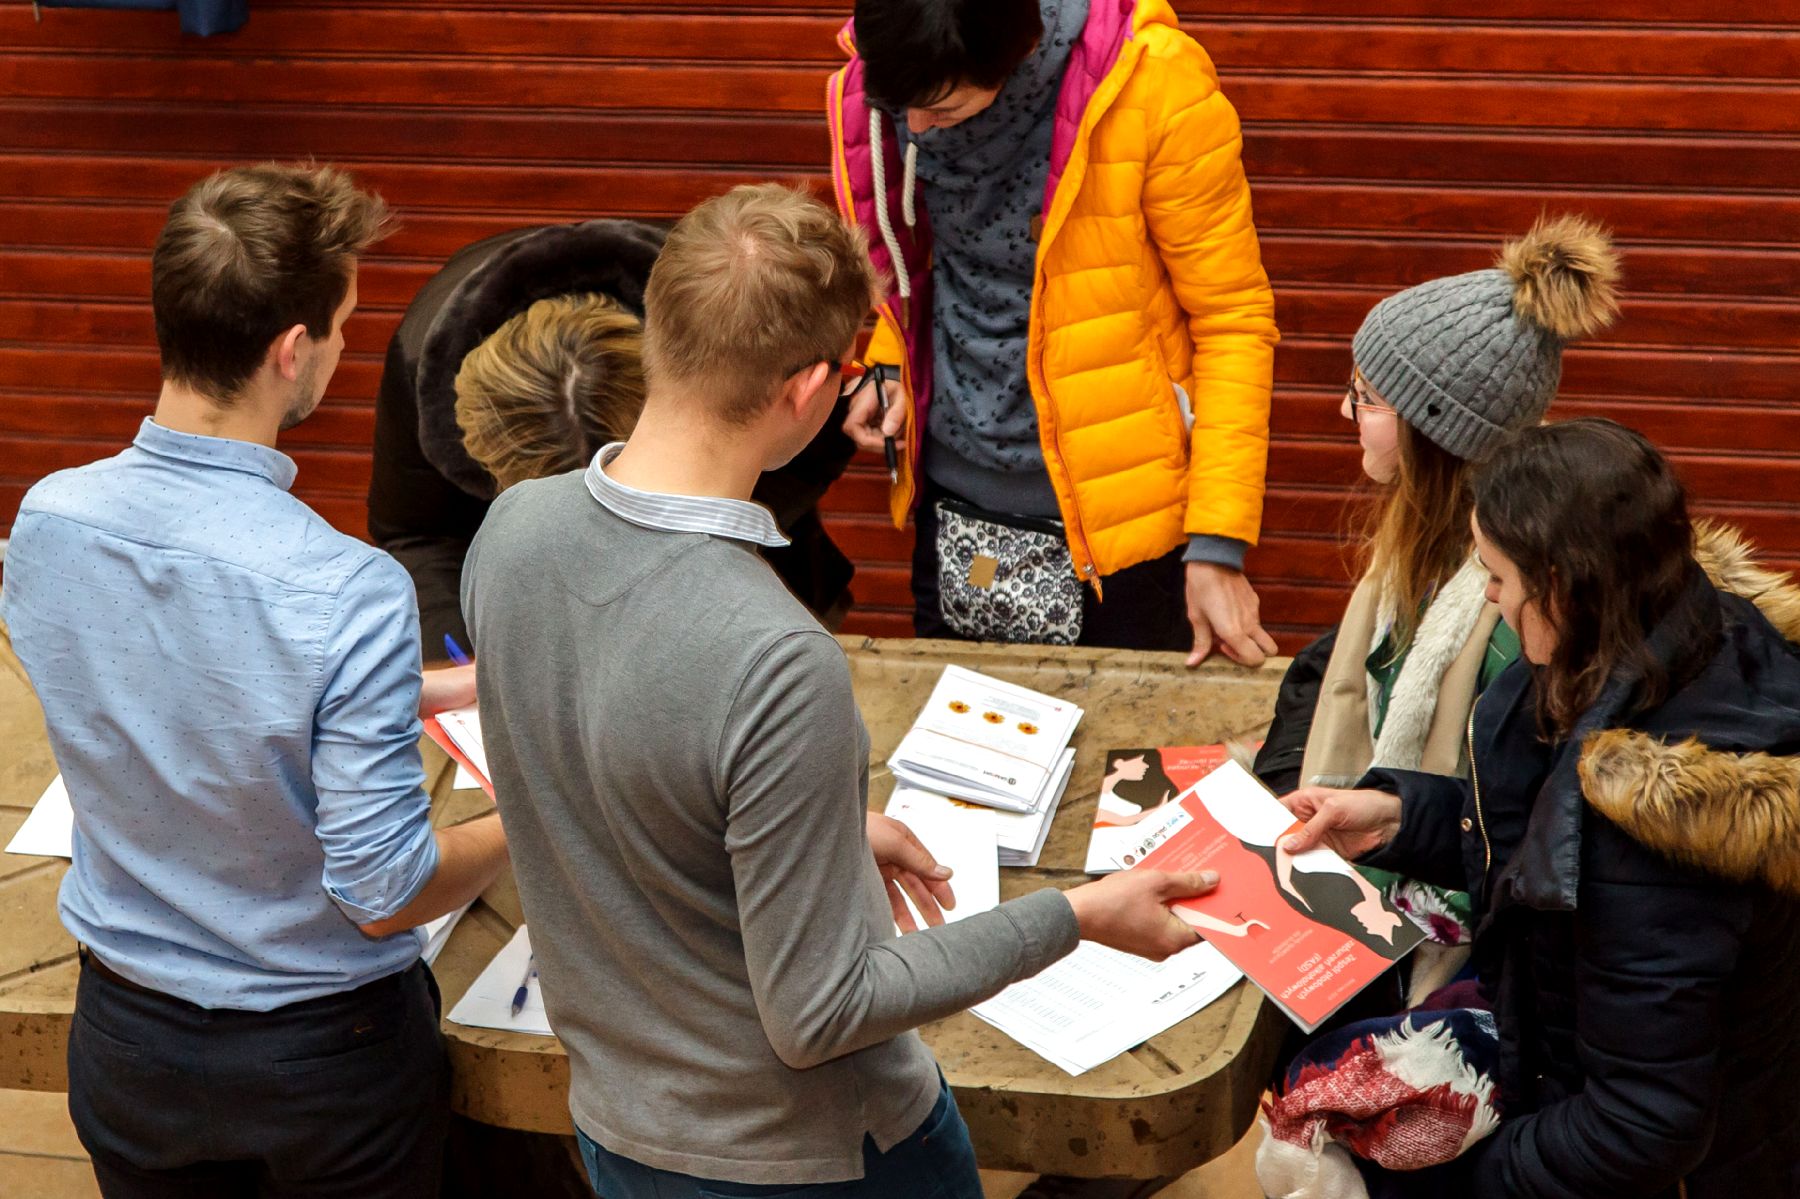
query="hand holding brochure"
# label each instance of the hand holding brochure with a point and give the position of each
(1306, 928)
(986, 741)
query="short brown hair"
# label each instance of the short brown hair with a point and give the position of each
(752, 286)
(247, 254)
(550, 387)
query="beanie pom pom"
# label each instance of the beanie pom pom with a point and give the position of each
(1565, 274)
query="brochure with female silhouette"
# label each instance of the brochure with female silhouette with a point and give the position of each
(1136, 784)
(1307, 928)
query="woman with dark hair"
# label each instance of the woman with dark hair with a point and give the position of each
(1629, 835)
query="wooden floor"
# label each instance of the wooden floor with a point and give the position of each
(41, 1159)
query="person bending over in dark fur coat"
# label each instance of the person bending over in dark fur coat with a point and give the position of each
(428, 496)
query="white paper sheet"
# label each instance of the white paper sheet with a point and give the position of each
(960, 837)
(464, 781)
(488, 1003)
(49, 831)
(463, 727)
(437, 933)
(1022, 837)
(1098, 1003)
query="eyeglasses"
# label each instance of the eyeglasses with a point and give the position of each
(1362, 397)
(856, 376)
(878, 374)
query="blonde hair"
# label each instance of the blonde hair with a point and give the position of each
(1417, 534)
(751, 287)
(550, 387)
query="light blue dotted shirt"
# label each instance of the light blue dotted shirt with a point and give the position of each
(232, 692)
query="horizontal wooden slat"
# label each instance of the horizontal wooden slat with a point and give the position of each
(491, 83)
(1771, 14)
(613, 191)
(1293, 260)
(1501, 48)
(798, 141)
(1365, 45)
(525, 194)
(327, 132)
(1536, 101)
(114, 418)
(446, 31)
(1449, 153)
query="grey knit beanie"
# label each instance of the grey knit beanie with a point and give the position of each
(1468, 359)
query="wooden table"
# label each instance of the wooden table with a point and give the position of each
(1171, 1104)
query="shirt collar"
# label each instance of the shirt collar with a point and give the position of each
(741, 520)
(227, 453)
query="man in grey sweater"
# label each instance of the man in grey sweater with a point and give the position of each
(682, 772)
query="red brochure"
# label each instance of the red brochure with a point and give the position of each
(1307, 928)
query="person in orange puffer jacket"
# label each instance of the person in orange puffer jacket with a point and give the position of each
(1079, 318)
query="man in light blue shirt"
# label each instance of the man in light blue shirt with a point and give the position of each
(233, 693)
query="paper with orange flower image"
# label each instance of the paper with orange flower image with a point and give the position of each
(986, 740)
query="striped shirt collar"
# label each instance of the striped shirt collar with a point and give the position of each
(741, 520)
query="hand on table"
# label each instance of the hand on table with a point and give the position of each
(1223, 608)
(906, 865)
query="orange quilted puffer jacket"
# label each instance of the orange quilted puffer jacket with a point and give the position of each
(1149, 276)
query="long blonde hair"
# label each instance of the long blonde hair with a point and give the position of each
(550, 387)
(1417, 533)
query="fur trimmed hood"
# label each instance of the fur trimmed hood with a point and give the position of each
(607, 257)
(1730, 562)
(1732, 815)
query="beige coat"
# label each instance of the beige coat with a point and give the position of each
(1339, 748)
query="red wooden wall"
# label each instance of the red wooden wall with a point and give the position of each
(1388, 141)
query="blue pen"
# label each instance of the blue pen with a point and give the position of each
(455, 651)
(518, 1003)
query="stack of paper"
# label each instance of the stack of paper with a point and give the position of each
(488, 1001)
(458, 731)
(1097, 1003)
(49, 831)
(988, 742)
(1019, 836)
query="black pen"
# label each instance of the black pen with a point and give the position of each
(887, 443)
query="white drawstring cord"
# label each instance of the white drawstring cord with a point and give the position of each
(902, 277)
(908, 180)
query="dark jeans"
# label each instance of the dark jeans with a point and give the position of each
(935, 1162)
(1145, 605)
(344, 1096)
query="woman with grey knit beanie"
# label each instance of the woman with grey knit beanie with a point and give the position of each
(1441, 374)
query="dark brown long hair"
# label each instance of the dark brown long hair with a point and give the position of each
(1597, 523)
(1417, 535)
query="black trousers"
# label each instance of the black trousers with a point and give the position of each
(1145, 605)
(344, 1096)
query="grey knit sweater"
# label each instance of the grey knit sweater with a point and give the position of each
(682, 772)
